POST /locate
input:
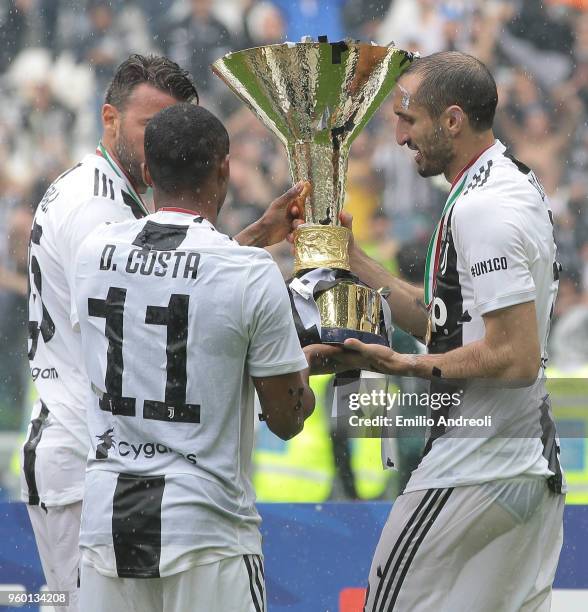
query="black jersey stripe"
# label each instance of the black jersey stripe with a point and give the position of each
(551, 448)
(398, 542)
(424, 532)
(430, 508)
(130, 202)
(30, 454)
(161, 236)
(36, 233)
(107, 185)
(64, 174)
(117, 405)
(171, 412)
(448, 330)
(521, 167)
(438, 429)
(136, 525)
(449, 317)
(254, 596)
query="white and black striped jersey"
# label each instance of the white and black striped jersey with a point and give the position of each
(88, 194)
(496, 250)
(176, 318)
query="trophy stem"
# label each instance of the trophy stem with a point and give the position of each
(324, 164)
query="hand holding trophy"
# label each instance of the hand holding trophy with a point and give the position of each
(316, 97)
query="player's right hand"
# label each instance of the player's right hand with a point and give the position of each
(346, 220)
(297, 209)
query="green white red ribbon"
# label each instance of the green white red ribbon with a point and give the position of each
(434, 248)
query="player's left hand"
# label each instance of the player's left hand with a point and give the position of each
(284, 214)
(355, 355)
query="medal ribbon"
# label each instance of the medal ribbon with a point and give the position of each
(136, 197)
(434, 248)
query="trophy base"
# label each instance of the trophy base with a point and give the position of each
(345, 308)
(351, 308)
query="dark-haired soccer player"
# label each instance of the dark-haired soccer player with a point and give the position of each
(179, 324)
(104, 186)
(479, 525)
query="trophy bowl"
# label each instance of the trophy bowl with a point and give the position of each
(316, 96)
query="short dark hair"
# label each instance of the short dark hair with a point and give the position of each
(183, 144)
(158, 71)
(451, 77)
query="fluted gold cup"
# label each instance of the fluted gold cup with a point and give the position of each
(316, 97)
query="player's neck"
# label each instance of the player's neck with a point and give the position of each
(198, 204)
(467, 152)
(110, 149)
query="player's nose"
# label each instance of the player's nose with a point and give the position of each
(402, 137)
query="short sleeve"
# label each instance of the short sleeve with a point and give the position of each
(491, 243)
(274, 347)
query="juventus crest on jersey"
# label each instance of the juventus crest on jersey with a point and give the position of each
(496, 250)
(175, 319)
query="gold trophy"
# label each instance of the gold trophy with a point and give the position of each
(316, 97)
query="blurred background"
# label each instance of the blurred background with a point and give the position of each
(57, 56)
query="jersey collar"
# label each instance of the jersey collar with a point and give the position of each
(479, 156)
(102, 152)
(185, 211)
(176, 210)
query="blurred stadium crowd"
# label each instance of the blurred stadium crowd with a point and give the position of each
(57, 56)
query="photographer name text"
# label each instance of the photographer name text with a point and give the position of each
(419, 421)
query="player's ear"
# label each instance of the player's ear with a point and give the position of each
(110, 120)
(454, 120)
(146, 175)
(224, 169)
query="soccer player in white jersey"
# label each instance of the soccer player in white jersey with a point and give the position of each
(479, 525)
(104, 186)
(179, 325)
